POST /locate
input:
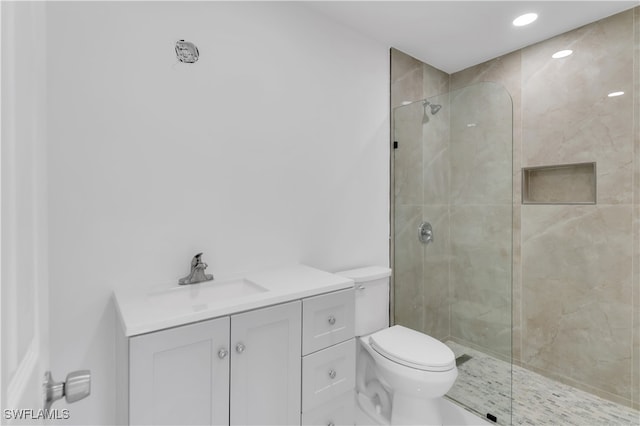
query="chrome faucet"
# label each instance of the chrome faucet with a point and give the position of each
(197, 274)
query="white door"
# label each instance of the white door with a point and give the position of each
(23, 217)
(266, 347)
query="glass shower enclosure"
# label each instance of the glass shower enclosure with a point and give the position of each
(452, 169)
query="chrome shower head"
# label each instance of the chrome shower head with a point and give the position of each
(433, 107)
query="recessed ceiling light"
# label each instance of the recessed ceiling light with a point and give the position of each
(614, 94)
(525, 19)
(562, 54)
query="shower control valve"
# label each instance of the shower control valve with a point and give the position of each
(425, 233)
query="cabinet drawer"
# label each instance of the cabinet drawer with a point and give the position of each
(328, 373)
(327, 319)
(338, 411)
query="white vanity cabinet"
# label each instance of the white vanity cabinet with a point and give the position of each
(180, 375)
(265, 366)
(329, 359)
(275, 347)
(241, 370)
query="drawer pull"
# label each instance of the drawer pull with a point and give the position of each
(240, 348)
(222, 353)
(332, 319)
(332, 373)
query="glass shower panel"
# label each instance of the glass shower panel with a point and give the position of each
(453, 170)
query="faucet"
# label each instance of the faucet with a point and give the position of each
(197, 274)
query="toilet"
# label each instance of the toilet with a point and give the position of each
(401, 374)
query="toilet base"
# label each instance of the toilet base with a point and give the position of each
(416, 411)
(371, 414)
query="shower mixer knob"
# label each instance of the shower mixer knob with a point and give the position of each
(425, 233)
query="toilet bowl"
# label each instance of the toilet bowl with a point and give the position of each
(416, 369)
(401, 374)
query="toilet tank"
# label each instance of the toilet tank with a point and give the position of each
(372, 298)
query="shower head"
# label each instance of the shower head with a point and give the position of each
(433, 107)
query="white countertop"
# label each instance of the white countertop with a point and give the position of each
(156, 309)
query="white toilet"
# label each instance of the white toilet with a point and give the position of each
(402, 374)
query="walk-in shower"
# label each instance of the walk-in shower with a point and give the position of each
(453, 171)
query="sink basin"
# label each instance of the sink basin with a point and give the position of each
(198, 296)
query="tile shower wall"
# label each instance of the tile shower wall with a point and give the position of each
(421, 273)
(480, 214)
(576, 285)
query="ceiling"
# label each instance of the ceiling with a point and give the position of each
(454, 35)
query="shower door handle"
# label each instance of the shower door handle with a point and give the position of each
(425, 233)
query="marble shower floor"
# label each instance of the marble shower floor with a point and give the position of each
(484, 385)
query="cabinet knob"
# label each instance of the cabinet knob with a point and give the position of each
(332, 373)
(332, 319)
(240, 347)
(222, 353)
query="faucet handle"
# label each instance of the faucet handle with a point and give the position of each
(196, 260)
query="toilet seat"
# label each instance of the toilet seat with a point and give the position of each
(412, 349)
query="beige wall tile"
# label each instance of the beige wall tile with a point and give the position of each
(436, 273)
(577, 292)
(481, 141)
(408, 158)
(434, 81)
(506, 71)
(636, 212)
(408, 268)
(406, 78)
(567, 116)
(436, 153)
(481, 276)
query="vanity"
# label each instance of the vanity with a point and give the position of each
(275, 347)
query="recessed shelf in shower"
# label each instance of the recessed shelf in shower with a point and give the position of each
(559, 184)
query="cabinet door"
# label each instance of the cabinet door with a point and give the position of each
(179, 376)
(265, 366)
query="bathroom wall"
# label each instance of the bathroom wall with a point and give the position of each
(271, 149)
(575, 267)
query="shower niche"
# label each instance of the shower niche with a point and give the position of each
(559, 184)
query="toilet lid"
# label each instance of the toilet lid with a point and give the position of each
(413, 349)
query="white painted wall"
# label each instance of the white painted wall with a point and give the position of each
(271, 149)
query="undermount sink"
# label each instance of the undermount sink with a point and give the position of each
(203, 294)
